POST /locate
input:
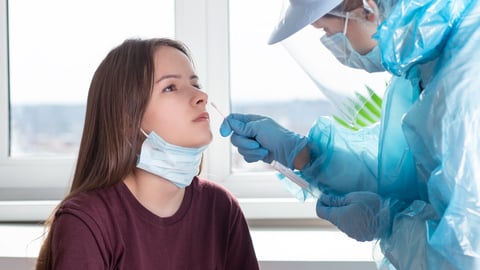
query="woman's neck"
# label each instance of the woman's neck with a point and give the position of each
(158, 195)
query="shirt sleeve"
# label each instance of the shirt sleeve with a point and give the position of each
(74, 245)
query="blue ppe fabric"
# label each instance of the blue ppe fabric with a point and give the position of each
(342, 160)
(426, 150)
(396, 167)
(261, 138)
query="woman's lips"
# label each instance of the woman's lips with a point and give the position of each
(202, 117)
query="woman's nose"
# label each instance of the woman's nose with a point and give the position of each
(200, 97)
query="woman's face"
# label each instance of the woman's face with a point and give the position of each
(176, 110)
(360, 29)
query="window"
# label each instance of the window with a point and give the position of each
(266, 79)
(52, 57)
(48, 52)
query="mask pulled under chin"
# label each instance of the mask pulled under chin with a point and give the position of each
(339, 45)
(175, 163)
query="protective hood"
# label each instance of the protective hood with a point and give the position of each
(416, 31)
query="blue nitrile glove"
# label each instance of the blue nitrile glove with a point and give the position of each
(260, 138)
(362, 215)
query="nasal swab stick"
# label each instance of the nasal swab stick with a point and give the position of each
(217, 109)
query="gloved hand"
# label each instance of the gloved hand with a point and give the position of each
(362, 215)
(260, 138)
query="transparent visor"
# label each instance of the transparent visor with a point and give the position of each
(358, 12)
(349, 97)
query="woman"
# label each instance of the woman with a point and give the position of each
(136, 201)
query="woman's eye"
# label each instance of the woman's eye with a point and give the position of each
(197, 85)
(169, 88)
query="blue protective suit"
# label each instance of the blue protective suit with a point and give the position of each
(426, 150)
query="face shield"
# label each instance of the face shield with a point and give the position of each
(348, 89)
(356, 15)
(351, 8)
(296, 14)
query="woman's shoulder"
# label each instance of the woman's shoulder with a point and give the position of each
(94, 204)
(206, 185)
(215, 192)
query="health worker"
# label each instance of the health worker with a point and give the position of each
(412, 181)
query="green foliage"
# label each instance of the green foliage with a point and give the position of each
(361, 111)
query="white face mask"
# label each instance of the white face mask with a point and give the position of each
(175, 163)
(341, 48)
(339, 45)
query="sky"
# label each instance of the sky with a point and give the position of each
(53, 57)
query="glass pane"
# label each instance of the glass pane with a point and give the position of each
(266, 79)
(54, 48)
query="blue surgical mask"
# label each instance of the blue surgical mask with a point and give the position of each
(341, 48)
(175, 163)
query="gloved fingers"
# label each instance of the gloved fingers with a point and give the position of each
(225, 128)
(249, 125)
(332, 200)
(364, 197)
(323, 211)
(345, 220)
(236, 122)
(238, 127)
(253, 155)
(246, 117)
(248, 148)
(242, 142)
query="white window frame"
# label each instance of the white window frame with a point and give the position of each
(204, 26)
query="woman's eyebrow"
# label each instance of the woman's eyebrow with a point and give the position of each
(168, 76)
(174, 76)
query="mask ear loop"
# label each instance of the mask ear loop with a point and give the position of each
(144, 133)
(345, 26)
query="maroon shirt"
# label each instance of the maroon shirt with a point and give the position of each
(110, 229)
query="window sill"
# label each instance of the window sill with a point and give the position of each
(276, 248)
(253, 208)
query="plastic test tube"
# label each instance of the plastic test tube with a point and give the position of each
(295, 178)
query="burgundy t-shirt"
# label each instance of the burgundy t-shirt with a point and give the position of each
(110, 229)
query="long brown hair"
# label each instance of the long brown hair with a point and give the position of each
(118, 95)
